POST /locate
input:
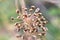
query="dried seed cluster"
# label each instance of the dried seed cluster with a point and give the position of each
(33, 22)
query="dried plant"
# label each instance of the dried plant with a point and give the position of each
(32, 26)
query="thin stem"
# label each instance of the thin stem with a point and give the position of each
(16, 4)
(22, 2)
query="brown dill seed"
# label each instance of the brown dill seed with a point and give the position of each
(43, 28)
(32, 19)
(25, 15)
(18, 17)
(33, 30)
(36, 30)
(19, 25)
(42, 19)
(33, 24)
(43, 33)
(18, 36)
(30, 10)
(33, 7)
(34, 14)
(39, 14)
(29, 14)
(18, 29)
(25, 9)
(39, 25)
(39, 19)
(26, 30)
(17, 11)
(39, 34)
(44, 22)
(43, 25)
(12, 18)
(16, 24)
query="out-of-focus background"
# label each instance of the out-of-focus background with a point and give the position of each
(49, 8)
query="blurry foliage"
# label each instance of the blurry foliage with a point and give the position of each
(4, 38)
(7, 9)
(54, 11)
(49, 4)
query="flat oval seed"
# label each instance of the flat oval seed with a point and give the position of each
(17, 11)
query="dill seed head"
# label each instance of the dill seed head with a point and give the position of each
(32, 22)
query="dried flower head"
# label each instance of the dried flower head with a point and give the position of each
(32, 22)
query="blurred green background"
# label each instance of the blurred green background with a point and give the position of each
(7, 9)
